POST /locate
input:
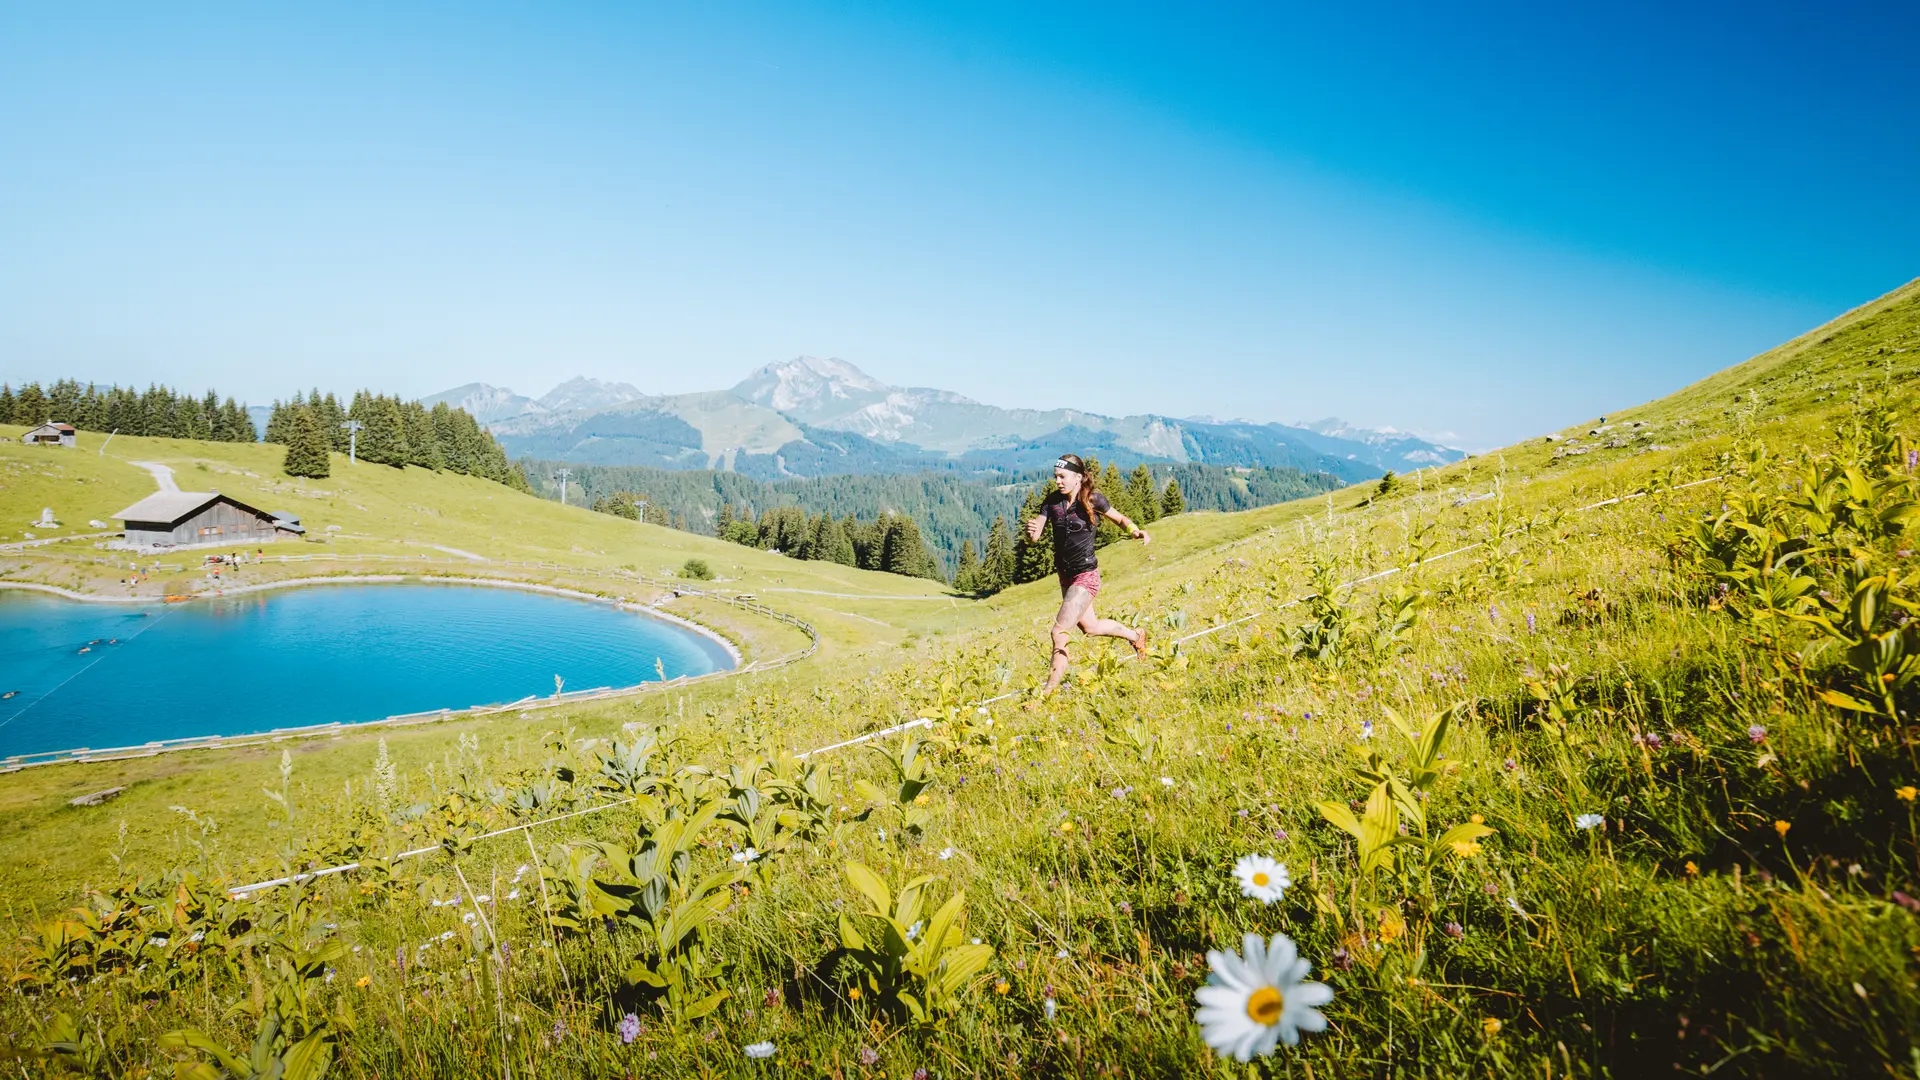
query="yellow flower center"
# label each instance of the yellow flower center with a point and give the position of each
(1260, 878)
(1264, 1005)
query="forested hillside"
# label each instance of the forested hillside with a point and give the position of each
(950, 507)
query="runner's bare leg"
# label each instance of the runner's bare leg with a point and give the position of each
(1094, 626)
(1072, 607)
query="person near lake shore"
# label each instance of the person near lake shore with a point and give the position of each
(1073, 511)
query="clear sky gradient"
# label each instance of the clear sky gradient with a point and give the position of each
(1487, 220)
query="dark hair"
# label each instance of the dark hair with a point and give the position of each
(1084, 497)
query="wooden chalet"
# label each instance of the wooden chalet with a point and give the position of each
(176, 519)
(50, 434)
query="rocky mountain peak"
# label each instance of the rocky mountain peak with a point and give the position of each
(810, 385)
(583, 394)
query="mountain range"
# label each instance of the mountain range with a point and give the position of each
(813, 416)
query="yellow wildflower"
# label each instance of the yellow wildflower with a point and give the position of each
(920, 799)
(1466, 849)
(1476, 819)
(1907, 793)
(853, 993)
(1781, 827)
(363, 981)
(1066, 826)
(1491, 1026)
(1691, 868)
(1002, 987)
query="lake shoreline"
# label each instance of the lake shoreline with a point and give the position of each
(646, 610)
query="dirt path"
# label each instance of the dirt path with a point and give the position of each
(162, 474)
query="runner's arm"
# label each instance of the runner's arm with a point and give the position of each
(1120, 519)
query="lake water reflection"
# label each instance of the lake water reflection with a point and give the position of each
(105, 675)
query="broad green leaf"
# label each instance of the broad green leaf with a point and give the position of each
(1341, 817)
(1842, 701)
(870, 886)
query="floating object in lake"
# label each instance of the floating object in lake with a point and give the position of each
(8, 694)
(86, 648)
(113, 641)
(96, 641)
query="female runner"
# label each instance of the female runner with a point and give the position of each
(1072, 511)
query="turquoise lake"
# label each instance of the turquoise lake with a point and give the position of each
(107, 675)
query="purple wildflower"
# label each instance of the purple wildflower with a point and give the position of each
(1913, 459)
(1493, 613)
(1342, 959)
(1653, 739)
(868, 1055)
(1455, 930)
(629, 1028)
(1906, 901)
(1280, 834)
(1758, 733)
(1530, 622)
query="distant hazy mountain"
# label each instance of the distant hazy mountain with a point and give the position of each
(581, 393)
(488, 404)
(811, 416)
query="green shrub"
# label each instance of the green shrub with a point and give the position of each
(696, 569)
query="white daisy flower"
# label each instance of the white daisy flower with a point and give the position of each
(947, 853)
(759, 1050)
(745, 856)
(1166, 781)
(1252, 1003)
(1261, 878)
(1589, 821)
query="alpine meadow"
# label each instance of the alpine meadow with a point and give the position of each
(1592, 756)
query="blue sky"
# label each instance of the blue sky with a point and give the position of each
(1490, 220)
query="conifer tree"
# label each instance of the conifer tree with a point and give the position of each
(1032, 559)
(1114, 487)
(966, 573)
(451, 440)
(6, 404)
(723, 519)
(423, 442)
(830, 542)
(996, 569)
(1143, 495)
(383, 441)
(306, 445)
(902, 549)
(30, 406)
(1171, 501)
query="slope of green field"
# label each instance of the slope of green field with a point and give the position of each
(1657, 814)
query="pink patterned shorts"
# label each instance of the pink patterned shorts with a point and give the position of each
(1086, 579)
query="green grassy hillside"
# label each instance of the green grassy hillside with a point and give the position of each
(1656, 813)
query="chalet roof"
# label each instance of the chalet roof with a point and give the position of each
(168, 506)
(64, 429)
(174, 507)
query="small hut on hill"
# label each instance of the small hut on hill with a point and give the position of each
(176, 519)
(50, 434)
